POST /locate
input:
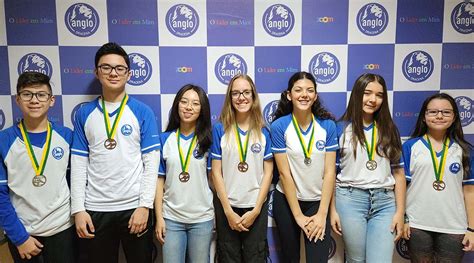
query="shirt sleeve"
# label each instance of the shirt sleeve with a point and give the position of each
(278, 137)
(217, 133)
(470, 176)
(78, 183)
(80, 145)
(332, 144)
(149, 135)
(149, 178)
(406, 156)
(162, 168)
(268, 145)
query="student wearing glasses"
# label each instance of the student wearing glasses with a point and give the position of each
(115, 158)
(440, 196)
(242, 169)
(34, 191)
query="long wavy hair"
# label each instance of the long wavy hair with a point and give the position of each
(203, 122)
(388, 142)
(454, 131)
(227, 116)
(285, 106)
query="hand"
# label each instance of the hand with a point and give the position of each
(235, 222)
(83, 221)
(317, 227)
(302, 222)
(249, 217)
(138, 220)
(397, 225)
(30, 248)
(468, 241)
(336, 223)
(406, 231)
(160, 230)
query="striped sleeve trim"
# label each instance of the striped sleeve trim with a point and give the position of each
(151, 147)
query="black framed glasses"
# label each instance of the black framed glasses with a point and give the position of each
(42, 96)
(434, 113)
(236, 94)
(107, 69)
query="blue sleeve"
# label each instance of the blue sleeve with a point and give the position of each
(149, 135)
(406, 156)
(65, 133)
(268, 145)
(162, 169)
(80, 145)
(332, 144)
(209, 162)
(277, 130)
(217, 133)
(470, 176)
(340, 126)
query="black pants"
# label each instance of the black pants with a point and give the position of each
(111, 229)
(428, 246)
(57, 248)
(236, 247)
(289, 231)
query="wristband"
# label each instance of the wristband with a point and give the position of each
(470, 229)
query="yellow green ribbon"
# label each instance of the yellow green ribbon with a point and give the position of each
(111, 131)
(371, 148)
(242, 150)
(39, 168)
(308, 149)
(438, 167)
(185, 162)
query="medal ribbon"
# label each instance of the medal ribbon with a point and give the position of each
(371, 148)
(111, 132)
(309, 149)
(39, 168)
(439, 168)
(242, 150)
(185, 163)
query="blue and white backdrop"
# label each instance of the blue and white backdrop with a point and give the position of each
(420, 47)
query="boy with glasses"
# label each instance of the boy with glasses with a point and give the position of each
(115, 158)
(34, 191)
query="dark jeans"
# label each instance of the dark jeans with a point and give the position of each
(237, 247)
(426, 246)
(289, 231)
(111, 229)
(57, 248)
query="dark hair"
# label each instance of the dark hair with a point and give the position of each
(388, 143)
(285, 106)
(111, 48)
(203, 123)
(454, 132)
(32, 78)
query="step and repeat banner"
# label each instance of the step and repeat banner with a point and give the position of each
(420, 48)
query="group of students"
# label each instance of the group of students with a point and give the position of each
(352, 176)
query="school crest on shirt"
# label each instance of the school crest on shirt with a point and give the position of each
(57, 153)
(126, 129)
(455, 168)
(320, 145)
(256, 147)
(196, 153)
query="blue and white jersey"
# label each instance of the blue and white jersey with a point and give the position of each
(114, 176)
(429, 209)
(185, 202)
(352, 169)
(27, 209)
(308, 178)
(242, 187)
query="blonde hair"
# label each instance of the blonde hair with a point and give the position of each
(227, 116)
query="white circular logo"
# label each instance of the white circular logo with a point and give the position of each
(57, 153)
(35, 62)
(372, 19)
(229, 65)
(466, 110)
(182, 20)
(140, 69)
(278, 20)
(462, 17)
(325, 67)
(418, 66)
(81, 20)
(126, 129)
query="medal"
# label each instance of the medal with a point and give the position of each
(308, 149)
(111, 143)
(242, 166)
(39, 179)
(371, 164)
(184, 175)
(438, 184)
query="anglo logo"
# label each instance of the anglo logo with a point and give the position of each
(140, 69)
(417, 66)
(320, 145)
(462, 17)
(229, 65)
(81, 20)
(57, 153)
(2, 119)
(278, 20)
(455, 168)
(466, 110)
(35, 62)
(74, 111)
(182, 20)
(372, 19)
(126, 129)
(256, 147)
(269, 111)
(325, 67)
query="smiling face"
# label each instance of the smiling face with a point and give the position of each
(242, 96)
(34, 101)
(439, 115)
(373, 98)
(189, 107)
(113, 81)
(302, 95)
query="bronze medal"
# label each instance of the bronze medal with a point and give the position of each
(371, 165)
(439, 185)
(242, 167)
(184, 177)
(307, 161)
(110, 144)
(39, 180)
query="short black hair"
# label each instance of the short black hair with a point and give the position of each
(111, 48)
(32, 78)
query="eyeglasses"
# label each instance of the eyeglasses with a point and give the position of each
(41, 96)
(193, 104)
(434, 113)
(119, 69)
(236, 94)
